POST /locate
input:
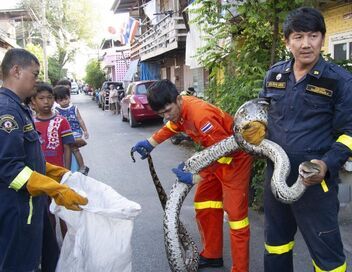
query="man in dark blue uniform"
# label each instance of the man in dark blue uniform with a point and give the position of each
(24, 175)
(310, 117)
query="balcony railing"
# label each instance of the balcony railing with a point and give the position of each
(169, 34)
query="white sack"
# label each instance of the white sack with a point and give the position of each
(98, 237)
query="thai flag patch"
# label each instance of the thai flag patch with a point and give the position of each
(207, 127)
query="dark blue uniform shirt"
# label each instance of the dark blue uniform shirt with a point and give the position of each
(313, 116)
(21, 216)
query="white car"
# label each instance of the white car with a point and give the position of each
(74, 88)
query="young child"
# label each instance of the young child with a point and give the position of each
(56, 133)
(56, 138)
(79, 129)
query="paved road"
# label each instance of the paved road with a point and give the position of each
(107, 155)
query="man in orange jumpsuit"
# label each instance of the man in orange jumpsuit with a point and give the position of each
(221, 186)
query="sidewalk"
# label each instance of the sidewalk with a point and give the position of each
(346, 227)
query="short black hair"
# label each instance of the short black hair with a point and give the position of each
(43, 86)
(161, 93)
(17, 56)
(304, 19)
(63, 82)
(61, 92)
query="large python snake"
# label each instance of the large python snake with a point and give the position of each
(253, 110)
(188, 246)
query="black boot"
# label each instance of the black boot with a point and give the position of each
(208, 262)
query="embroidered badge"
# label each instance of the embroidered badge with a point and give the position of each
(277, 85)
(28, 127)
(277, 80)
(319, 90)
(207, 127)
(8, 123)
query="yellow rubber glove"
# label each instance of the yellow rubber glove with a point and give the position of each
(55, 172)
(254, 132)
(63, 195)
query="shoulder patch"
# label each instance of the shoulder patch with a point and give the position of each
(207, 127)
(8, 123)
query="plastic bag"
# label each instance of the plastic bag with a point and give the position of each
(98, 237)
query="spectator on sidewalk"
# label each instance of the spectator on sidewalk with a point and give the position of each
(73, 116)
(55, 130)
(113, 99)
(221, 186)
(56, 138)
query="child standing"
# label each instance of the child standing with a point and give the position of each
(56, 137)
(79, 129)
(56, 133)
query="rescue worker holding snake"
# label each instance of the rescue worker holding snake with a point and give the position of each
(25, 177)
(221, 186)
(310, 117)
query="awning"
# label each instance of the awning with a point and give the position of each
(120, 6)
(132, 69)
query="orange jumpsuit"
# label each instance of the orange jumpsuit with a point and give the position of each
(224, 184)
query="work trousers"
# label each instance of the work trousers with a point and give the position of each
(225, 188)
(316, 216)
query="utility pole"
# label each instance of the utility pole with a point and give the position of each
(44, 39)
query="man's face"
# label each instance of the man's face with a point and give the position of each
(172, 112)
(305, 47)
(27, 78)
(43, 102)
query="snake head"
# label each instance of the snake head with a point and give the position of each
(307, 169)
(252, 110)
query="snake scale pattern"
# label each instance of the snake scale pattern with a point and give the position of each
(181, 251)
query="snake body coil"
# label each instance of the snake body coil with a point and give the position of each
(182, 254)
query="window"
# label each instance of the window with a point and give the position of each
(341, 46)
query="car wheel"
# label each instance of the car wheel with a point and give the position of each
(123, 118)
(131, 120)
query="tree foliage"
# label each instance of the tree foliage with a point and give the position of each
(66, 23)
(37, 51)
(95, 76)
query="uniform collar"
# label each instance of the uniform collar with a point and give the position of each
(318, 68)
(16, 98)
(186, 100)
(287, 67)
(11, 94)
(316, 71)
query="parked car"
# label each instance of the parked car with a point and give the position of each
(105, 91)
(74, 88)
(134, 106)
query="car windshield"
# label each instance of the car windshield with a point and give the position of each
(142, 88)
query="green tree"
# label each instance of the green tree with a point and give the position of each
(95, 76)
(67, 22)
(37, 51)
